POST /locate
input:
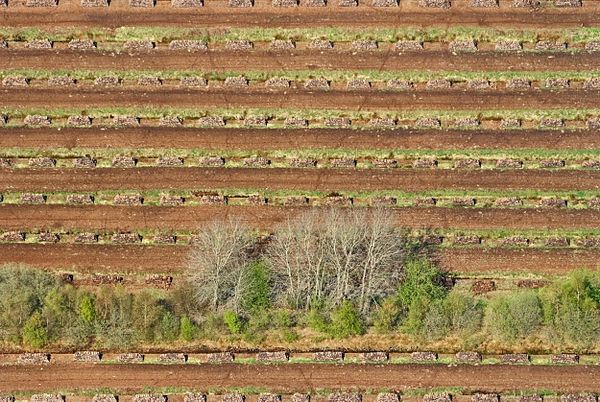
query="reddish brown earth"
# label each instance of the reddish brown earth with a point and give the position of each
(548, 262)
(301, 98)
(299, 59)
(147, 178)
(290, 378)
(95, 258)
(69, 13)
(190, 218)
(273, 139)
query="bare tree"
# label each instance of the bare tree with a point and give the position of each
(333, 255)
(297, 258)
(381, 260)
(344, 238)
(216, 264)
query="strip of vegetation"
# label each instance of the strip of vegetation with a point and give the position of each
(325, 277)
(443, 198)
(79, 392)
(490, 238)
(150, 112)
(261, 76)
(413, 392)
(166, 34)
(525, 154)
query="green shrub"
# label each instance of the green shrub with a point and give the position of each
(257, 295)
(87, 310)
(415, 319)
(578, 323)
(259, 321)
(23, 293)
(58, 312)
(572, 308)
(169, 326)
(253, 337)
(114, 323)
(183, 301)
(387, 315)
(434, 319)
(34, 332)
(465, 313)
(146, 314)
(436, 323)
(212, 326)
(422, 280)
(317, 319)
(283, 318)
(422, 284)
(187, 329)
(77, 334)
(514, 316)
(233, 322)
(346, 321)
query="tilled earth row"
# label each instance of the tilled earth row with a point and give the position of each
(157, 259)
(249, 139)
(290, 378)
(299, 59)
(70, 13)
(165, 178)
(190, 218)
(302, 98)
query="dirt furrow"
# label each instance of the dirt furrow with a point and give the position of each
(284, 139)
(151, 259)
(302, 377)
(549, 262)
(149, 178)
(190, 218)
(299, 59)
(72, 15)
(301, 98)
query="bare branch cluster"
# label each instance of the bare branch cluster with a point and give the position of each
(324, 256)
(333, 255)
(216, 265)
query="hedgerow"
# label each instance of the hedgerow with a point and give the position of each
(37, 311)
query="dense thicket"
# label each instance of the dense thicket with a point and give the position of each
(322, 257)
(340, 274)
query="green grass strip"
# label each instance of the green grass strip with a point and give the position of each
(373, 75)
(484, 197)
(233, 113)
(532, 154)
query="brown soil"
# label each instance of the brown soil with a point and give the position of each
(299, 59)
(147, 178)
(190, 218)
(69, 13)
(300, 98)
(273, 139)
(99, 258)
(289, 378)
(548, 262)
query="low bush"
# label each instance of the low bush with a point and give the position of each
(35, 334)
(572, 308)
(514, 316)
(346, 321)
(187, 329)
(233, 321)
